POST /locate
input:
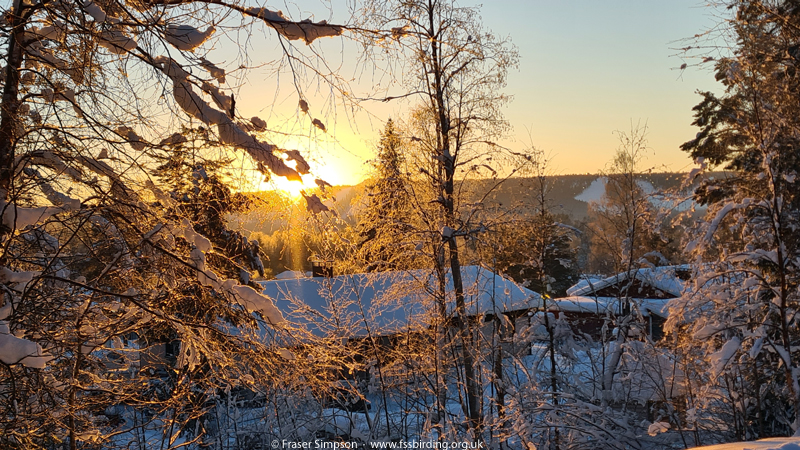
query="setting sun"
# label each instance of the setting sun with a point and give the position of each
(289, 188)
(336, 170)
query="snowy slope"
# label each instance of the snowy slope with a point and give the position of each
(790, 443)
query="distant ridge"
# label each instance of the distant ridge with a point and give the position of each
(569, 195)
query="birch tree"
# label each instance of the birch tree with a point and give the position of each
(454, 69)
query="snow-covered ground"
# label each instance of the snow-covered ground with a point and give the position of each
(790, 443)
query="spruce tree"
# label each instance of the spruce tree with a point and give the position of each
(387, 215)
(742, 314)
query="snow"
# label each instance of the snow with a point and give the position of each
(719, 359)
(117, 42)
(254, 301)
(787, 443)
(306, 30)
(292, 275)
(287, 354)
(258, 124)
(59, 199)
(15, 350)
(601, 305)
(97, 12)
(657, 427)
(301, 166)
(16, 217)
(55, 32)
(187, 37)
(223, 101)
(193, 105)
(587, 281)
(724, 211)
(709, 330)
(314, 204)
(174, 139)
(6, 310)
(98, 167)
(322, 184)
(133, 139)
(318, 123)
(392, 300)
(447, 232)
(398, 32)
(595, 191)
(186, 231)
(48, 159)
(9, 276)
(597, 305)
(662, 278)
(213, 70)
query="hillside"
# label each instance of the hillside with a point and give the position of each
(570, 195)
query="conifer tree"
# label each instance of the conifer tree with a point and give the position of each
(387, 216)
(743, 312)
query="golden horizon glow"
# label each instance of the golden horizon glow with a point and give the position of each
(292, 189)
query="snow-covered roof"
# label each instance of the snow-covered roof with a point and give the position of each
(291, 275)
(784, 443)
(662, 278)
(388, 301)
(601, 305)
(586, 281)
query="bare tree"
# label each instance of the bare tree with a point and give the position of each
(455, 68)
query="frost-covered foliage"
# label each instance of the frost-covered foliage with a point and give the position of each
(738, 328)
(128, 307)
(455, 70)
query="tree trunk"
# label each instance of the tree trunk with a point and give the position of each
(467, 344)
(9, 107)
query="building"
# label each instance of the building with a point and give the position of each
(645, 291)
(391, 310)
(385, 303)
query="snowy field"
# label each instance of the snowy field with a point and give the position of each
(790, 443)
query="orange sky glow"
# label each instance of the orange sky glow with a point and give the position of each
(587, 69)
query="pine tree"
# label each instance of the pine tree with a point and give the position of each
(743, 311)
(387, 216)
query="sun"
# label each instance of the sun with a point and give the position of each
(292, 189)
(331, 173)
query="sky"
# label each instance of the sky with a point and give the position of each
(588, 70)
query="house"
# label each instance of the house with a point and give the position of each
(391, 308)
(645, 290)
(385, 303)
